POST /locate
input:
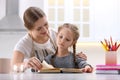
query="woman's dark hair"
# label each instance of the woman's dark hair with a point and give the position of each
(31, 15)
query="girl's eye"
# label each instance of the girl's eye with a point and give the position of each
(67, 40)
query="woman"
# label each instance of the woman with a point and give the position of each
(39, 39)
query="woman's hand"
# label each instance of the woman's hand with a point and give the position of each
(82, 55)
(87, 69)
(33, 63)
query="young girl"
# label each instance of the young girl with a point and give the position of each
(39, 39)
(63, 58)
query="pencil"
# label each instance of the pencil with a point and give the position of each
(111, 40)
(118, 46)
(104, 46)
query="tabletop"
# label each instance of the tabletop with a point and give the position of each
(59, 76)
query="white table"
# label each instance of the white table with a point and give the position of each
(58, 76)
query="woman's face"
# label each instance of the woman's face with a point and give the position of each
(40, 29)
(64, 38)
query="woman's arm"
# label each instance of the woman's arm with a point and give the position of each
(18, 60)
(81, 55)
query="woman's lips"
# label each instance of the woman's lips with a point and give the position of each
(44, 33)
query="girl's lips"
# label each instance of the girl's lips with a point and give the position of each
(61, 45)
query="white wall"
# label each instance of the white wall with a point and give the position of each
(2, 8)
(24, 4)
(7, 43)
(106, 19)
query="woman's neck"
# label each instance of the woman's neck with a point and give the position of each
(62, 53)
(40, 40)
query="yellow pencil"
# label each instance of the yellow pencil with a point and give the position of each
(104, 46)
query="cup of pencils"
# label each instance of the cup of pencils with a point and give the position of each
(111, 48)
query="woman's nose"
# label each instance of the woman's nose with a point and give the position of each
(44, 29)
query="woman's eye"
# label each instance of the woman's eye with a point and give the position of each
(39, 29)
(46, 24)
(60, 36)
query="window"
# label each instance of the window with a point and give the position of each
(96, 19)
(72, 11)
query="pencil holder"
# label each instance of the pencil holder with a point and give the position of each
(111, 58)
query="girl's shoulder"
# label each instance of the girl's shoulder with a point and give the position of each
(48, 58)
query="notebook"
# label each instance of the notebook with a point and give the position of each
(107, 69)
(61, 70)
(50, 69)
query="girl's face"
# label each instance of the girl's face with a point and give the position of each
(40, 29)
(64, 38)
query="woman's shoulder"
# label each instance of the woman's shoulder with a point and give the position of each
(25, 39)
(23, 43)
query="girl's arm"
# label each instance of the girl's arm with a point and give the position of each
(84, 65)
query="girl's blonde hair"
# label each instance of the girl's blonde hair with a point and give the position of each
(76, 35)
(72, 27)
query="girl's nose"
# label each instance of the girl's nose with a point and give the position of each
(62, 41)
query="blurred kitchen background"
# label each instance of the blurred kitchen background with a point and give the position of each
(96, 19)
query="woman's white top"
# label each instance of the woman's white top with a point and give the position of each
(30, 48)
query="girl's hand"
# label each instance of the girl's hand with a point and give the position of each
(82, 55)
(87, 69)
(33, 63)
